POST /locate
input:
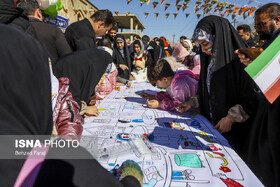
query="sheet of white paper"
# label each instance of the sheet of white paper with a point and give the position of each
(191, 153)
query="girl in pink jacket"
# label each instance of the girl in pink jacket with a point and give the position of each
(180, 85)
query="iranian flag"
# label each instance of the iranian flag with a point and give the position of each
(265, 70)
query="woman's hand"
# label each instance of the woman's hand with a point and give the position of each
(91, 111)
(243, 59)
(224, 125)
(123, 67)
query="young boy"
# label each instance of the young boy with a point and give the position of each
(180, 86)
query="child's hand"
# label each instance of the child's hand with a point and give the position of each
(91, 111)
(147, 96)
(131, 77)
(153, 104)
(183, 107)
(128, 84)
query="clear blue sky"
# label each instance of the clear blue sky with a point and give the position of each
(167, 27)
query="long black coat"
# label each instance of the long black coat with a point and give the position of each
(80, 35)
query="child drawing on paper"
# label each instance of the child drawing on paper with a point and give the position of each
(180, 85)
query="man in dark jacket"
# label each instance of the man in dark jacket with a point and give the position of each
(81, 34)
(13, 16)
(245, 32)
(49, 36)
(112, 35)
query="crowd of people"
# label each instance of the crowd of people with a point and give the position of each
(51, 81)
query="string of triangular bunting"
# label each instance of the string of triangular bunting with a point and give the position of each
(219, 7)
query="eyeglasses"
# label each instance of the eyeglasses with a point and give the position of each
(260, 25)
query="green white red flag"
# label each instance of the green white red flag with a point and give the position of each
(265, 71)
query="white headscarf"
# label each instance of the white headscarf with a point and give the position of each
(189, 43)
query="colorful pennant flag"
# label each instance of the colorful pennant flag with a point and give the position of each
(240, 11)
(167, 15)
(178, 7)
(127, 13)
(233, 16)
(155, 4)
(177, 1)
(196, 8)
(175, 15)
(198, 2)
(215, 10)
(208, 9)
(231, 6)
(214, 2)
(251, 11)
(184, 7)
(156, 15)
(198, 16)
(161, 3)
(146, 14)
(116, 12)
(245, 15)
(144, 1)
(187, 15)
(166, 6)
(128, 1)
(235, 10)
(265, 71)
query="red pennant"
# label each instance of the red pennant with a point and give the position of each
(196, 8)
(166, 6)
(177, 1)
(146, 14)
(155, 5)
(251, 11)
(235, 10)
(187, 15)
(178, 7)
(156, 15)
(167, 15)
(116, 12)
